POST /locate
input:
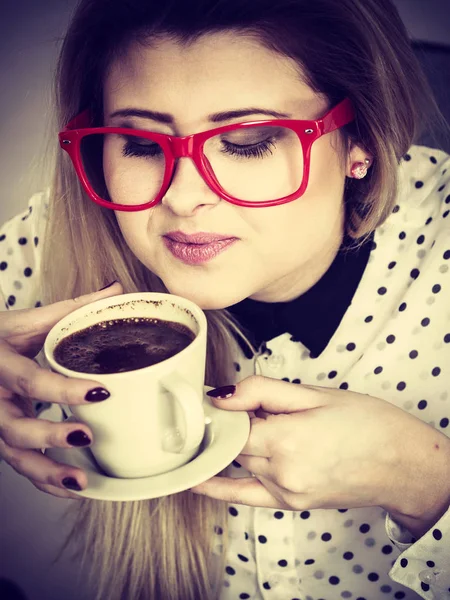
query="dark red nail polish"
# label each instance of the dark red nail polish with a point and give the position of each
(78, 438)
(71, 484)
(108, 285)
(97, 394)
(226, 391)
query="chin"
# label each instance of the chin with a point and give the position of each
(207, 300)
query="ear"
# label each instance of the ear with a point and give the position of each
(356, 154)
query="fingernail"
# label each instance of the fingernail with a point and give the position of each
(226, 391)
(71, 484)
(78, 438)
(108, 285)
(97, 394)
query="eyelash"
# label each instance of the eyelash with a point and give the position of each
(258, 150)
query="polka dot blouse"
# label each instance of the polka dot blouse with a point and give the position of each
(393, 344)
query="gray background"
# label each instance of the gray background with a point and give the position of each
(30, 31)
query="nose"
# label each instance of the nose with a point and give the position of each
(188, 193)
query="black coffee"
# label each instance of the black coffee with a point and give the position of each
(122, 345)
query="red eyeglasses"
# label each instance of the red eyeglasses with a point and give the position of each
(253, 164)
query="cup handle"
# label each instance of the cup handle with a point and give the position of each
(192, 409)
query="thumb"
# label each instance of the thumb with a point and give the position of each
(19, 326)
(257, 393)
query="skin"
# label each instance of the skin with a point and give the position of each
(282, 251)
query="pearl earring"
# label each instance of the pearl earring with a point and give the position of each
(359, 169)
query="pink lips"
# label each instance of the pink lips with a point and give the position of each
(197, 248)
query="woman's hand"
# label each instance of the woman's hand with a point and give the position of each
(316, 447)
(22, 335)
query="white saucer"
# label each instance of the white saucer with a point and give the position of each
(226, 433)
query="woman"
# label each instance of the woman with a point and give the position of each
(307, 229)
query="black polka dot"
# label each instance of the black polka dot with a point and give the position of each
(332, 374)
(428, 221)
(236, 464)
(262, 539)
(447, 200)
(396, 208)
(407, 157)
(305, 514)
(28, 272)
(413, 354)
(437, 534)
(402, 235)
(348, 555)
(404, 563)
(266, 585)
(309, 561)
(401, 385)
(422, 404)
(425, 322)
(233, 512)
(373, 577)
(390, 339)
(402, 306)
(36, 241)
(387, 549)
(283, 563)
(433, 160)
(378, 370)
(415, 273)
(399, 595)
(244, 596)
(430, 563)
(38, 304)
(3, 266)
(343, 386)
(334, 580)
(246, 535)
(420, 240)
(445, 215)
(441, 188)
(278, 514)
(424, 586)
(23, 241)
(382, 290)
(392, 264)
(218, 530)
(446, 255)
(230, 571)
(326, 537)
(237, 366)
(443, 423)
(296, 381)
(419, 184)
(351, 347)
(342, 510)
(364, 528)
(368, 319)
(286, 379)
(243, 558)
(447, 338)
(2, 237)
(436, 289)
(435, 372)
(11, 300)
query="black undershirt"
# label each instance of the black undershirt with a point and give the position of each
(313, 317)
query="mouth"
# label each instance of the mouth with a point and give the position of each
(198, 248)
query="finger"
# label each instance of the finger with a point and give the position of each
(244, 490)
(41, 469)
(25, 377)
(31, 433)
(257, 465)
(54, 491)
(271, 395)
(17, 325)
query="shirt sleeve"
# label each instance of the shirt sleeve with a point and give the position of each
(423, 565)
(20, 253)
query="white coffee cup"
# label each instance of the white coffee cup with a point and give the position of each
(153, 421)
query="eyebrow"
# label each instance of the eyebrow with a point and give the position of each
(214, 118)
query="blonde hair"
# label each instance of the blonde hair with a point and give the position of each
(162, 548)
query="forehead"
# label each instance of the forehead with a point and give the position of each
(220, 71)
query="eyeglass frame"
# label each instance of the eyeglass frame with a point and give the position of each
(191, 146)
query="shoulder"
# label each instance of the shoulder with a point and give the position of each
(20, 251)
(424, 186)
